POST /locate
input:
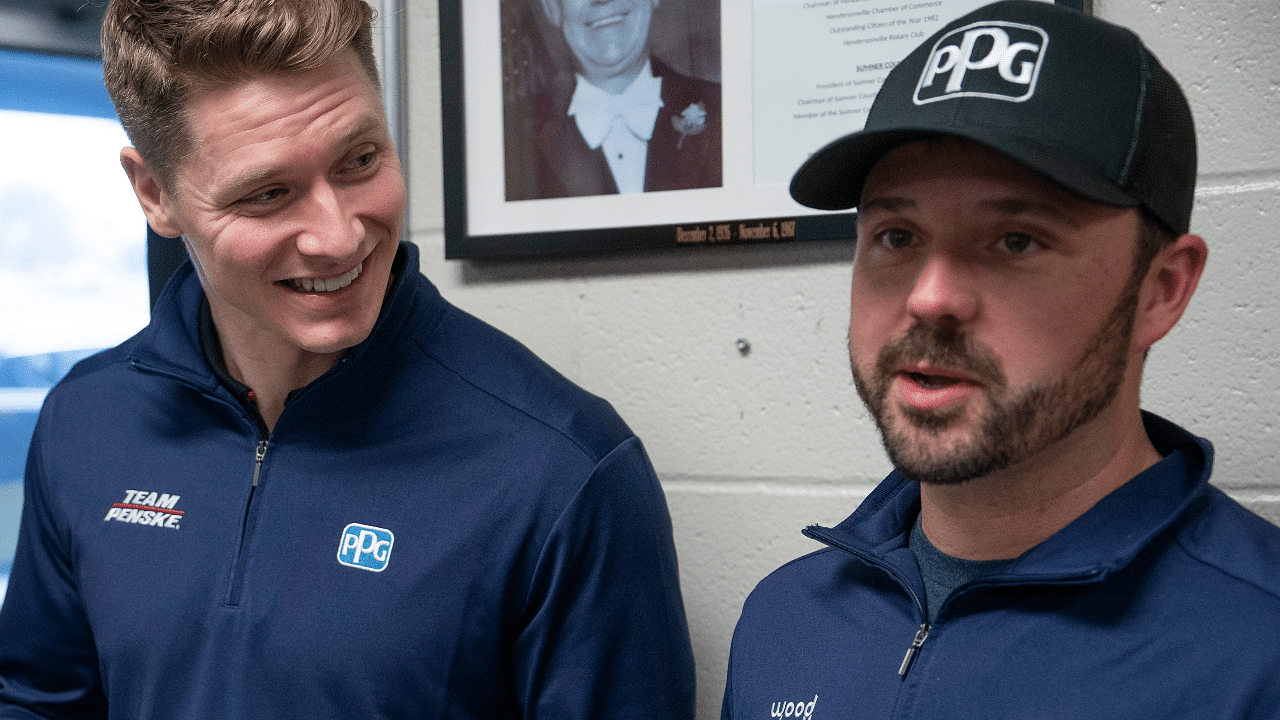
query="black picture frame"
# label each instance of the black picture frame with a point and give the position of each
(518, 49)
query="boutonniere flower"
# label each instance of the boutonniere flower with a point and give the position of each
(690, 122)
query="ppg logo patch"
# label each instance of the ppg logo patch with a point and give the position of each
(992, 59)
(365, 547)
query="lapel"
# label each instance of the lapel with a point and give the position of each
(568, 167)
(679, 161)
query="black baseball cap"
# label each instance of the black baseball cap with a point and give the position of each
(1077, 99)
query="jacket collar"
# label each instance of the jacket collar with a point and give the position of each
(171, 343)
(1102, 540)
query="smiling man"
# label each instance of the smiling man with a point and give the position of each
(1044, 548)
(311, 487)
(622, 122)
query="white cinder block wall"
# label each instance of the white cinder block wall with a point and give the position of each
(752, 448)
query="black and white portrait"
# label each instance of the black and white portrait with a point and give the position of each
(610, 96)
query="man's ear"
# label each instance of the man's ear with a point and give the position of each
(1170, 282)
(151, 195)
(552, 9)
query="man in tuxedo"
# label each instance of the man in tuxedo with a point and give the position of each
(623, 122)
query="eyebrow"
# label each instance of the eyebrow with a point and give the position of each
(887, 203)
(1018, 206)
(1004, 206)
(364, 125)
(261, 174)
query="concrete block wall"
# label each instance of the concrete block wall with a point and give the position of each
(751, 448)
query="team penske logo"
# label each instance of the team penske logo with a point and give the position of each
(992, 59)
(142, 507)
(365, 547)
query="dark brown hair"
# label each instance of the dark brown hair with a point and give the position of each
(1152, 237)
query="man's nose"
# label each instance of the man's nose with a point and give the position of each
(333, 229)
(944, 288)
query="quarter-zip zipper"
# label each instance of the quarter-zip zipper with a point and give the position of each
(257, 461)
(921, 635)
(247, 527)
(821, 535)
(248, 520)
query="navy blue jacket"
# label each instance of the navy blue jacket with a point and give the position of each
(442, 526)
(1162, 601)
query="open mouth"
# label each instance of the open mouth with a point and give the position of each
(932, 382)
(317, 285)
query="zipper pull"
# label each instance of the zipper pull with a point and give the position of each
(257, 460)
(921, 635)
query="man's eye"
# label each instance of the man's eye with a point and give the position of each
(265, 196)
(1017, 242)
(895, 239)
(362, 160)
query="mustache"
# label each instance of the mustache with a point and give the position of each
(945, 346)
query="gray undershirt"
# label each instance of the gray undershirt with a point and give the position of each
(943, 573)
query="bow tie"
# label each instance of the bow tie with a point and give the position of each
(597, 112)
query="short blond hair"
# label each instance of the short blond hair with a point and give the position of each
(155, 53)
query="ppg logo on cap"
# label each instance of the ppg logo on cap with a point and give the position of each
(365, 547)
(992, 59)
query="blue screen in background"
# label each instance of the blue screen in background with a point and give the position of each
(53, 84)
(72, 246)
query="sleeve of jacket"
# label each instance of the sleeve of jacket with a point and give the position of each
(48, 664)
(726, 705)
(605, 633)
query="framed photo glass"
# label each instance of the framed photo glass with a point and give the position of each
(575, 126)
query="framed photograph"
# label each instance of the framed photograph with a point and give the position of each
(573, 126)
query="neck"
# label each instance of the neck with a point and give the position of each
(614, 84)
(272, 383)
(270, 369)
(1004, 514)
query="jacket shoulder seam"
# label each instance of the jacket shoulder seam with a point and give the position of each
(586, 451)
(807, 556)
(1217, 566)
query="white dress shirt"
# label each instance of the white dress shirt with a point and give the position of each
(620, 124)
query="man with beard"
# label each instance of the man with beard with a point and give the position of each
(1044, 548)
